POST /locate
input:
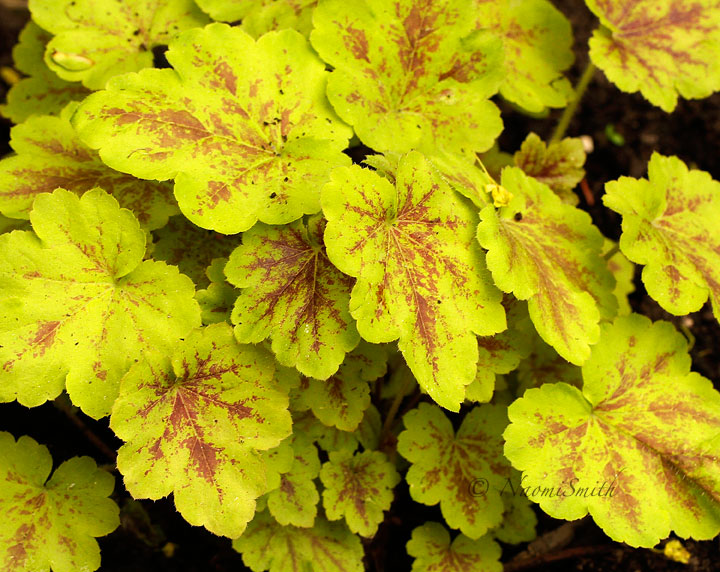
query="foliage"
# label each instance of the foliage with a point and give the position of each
(307, 302)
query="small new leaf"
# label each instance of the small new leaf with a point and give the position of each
(636, 448)
(242, 126)
(420, 278)
(51, 524)
(194, 425)
(670, 225)
(358, 487)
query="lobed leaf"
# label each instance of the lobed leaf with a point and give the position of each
(50, 155)
(78, 305)
(217, 300)
(292, 293)
(411, 74)
(358, 487)
(548, 253)
(242, 126)
(636, 448)
(51, 523)
(420, 278)
(261, 16)
(96, 40)
(659, 48)
(670, 225)
(195, 424)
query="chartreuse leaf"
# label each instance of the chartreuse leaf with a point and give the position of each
(544, 365)
(410, 74)
(260, 16)
(519, 520)
(43, 92)
(326, 547)
(433, 552)
(670, 225)
(624, 272)
(548, 253)
(78, 304)
(242, 126)
(295, 500)
(462, 470)
(97, 40)
(195, 424)
(191, 248)
(636, 448)
(341, 400)
(661, 49)
(49, 154)
(559, 164)
(537, 45)
(358, 487)
(51, 523)
(217, 300)
(420, 278)
(293, 293)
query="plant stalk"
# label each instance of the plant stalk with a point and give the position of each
(572, 107)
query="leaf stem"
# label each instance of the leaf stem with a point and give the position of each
(612, 252)
(387, 425)
(570, 110)
(62, 404)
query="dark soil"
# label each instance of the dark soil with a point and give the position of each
(165, 542)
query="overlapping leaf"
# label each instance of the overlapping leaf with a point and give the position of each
(537, 45)
(49, 155)
(293, 293)
(519, 520)
(43, 92)
(217, 300)
(51, 523)
(462, 471)
(327, 547)
(195, 425)
(544, 365)
(358, 487)
(260, 16)
(660, 48)
(78, 305)
(433, 552)
(411, 73)
(559, 164)
(670, 225)
(97, 39)
(420, 278)
(242, 126)
(548, 253)
(637, 448)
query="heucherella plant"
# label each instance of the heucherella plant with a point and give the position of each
(287, 264)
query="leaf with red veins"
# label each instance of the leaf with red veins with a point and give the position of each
(292, 293)
(420, 279)
(195, 425)
(661, 48)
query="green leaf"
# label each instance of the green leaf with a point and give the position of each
(295, 501)
(10, 224)
(433, 552)
(420, 277)
(242, 126)
(293, 293)
(670, 225)
(559, 165)
(358, 487)
(194, 425)
(548, 253)
(341, 400)
(96, 40)
(624, 272)
(411, 74)
(78, 305)
(519, 520)
(458, 470)
(328, 438)
(43, 92)
(544, 365)
(660, 48)
(217, 300)
(537, 45)
(191, 248)
(636, 448)
(49, 155)
(327, 547)
(260, 16)
(51, 523)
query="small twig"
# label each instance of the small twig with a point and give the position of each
(612, 252)
(69, 412)
(570, 110)
(566, 554)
